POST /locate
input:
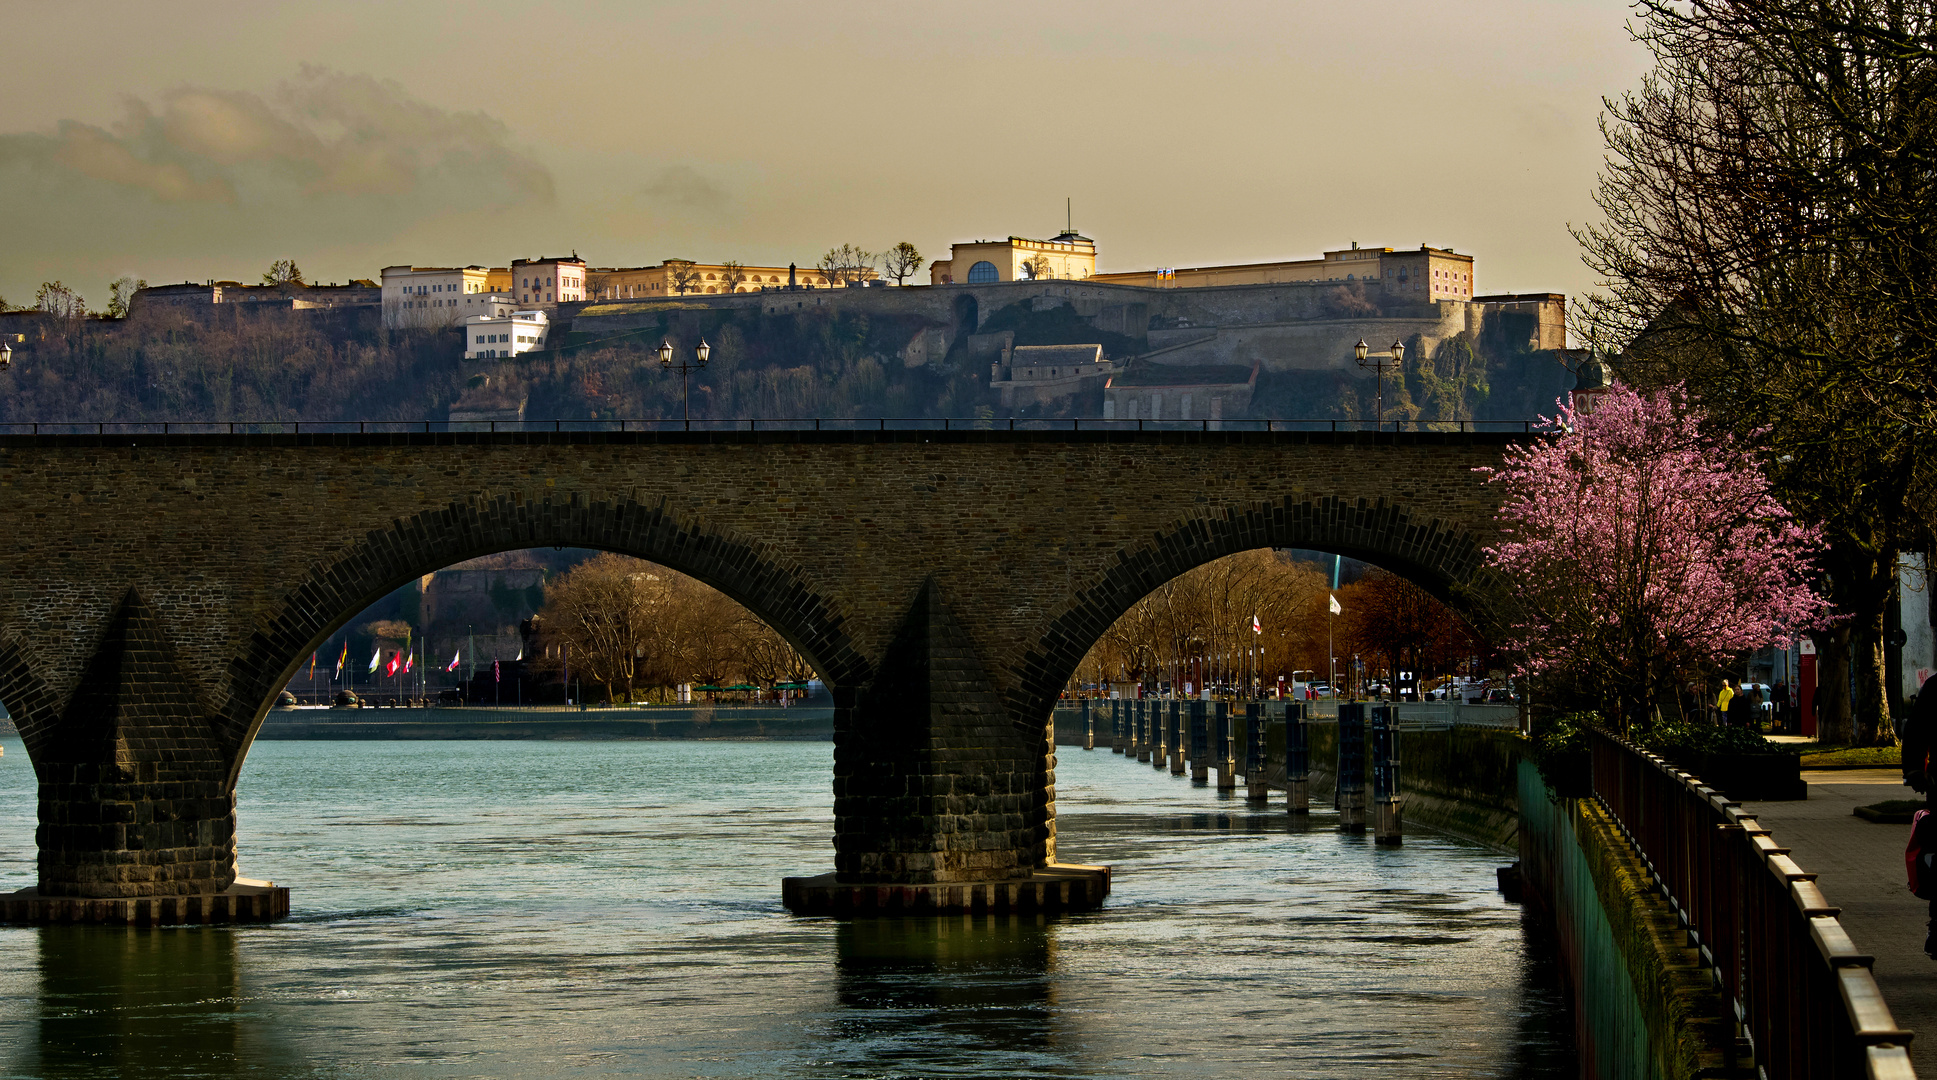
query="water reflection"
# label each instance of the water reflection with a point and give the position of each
(136, 1003)
(945, 995)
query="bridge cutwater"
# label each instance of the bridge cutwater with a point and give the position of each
(162, 586)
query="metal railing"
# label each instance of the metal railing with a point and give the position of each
(492, 427)
(1802, 992)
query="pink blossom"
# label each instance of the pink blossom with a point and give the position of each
(1640, 546)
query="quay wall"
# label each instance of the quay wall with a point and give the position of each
(1645, 1007)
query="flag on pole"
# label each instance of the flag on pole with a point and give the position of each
(1256, 626)
(409, 659)
(312, 665)
(391, 668)
(344, 659)
(452, 666)
(376, 658)
(496, 675)
(1336, 610)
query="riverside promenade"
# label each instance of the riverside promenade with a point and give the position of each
(1859, 866)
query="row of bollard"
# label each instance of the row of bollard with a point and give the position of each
(1158, 731)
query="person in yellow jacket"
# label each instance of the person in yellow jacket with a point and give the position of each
(1722, 703)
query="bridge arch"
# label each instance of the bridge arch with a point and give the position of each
(332, 593)
(1440, 555)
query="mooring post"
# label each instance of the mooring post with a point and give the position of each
(1160, 736)
(1225, 746)
(1350, 789)
(1385, 774)
(1089, 726)
(1297, 760)
(1256, 788)
(1179, 740)
(1200, 744)
(1143, 733)
(1116, 727)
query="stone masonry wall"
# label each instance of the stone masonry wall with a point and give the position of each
(249, 550)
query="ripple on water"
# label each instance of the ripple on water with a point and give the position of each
(604, 910)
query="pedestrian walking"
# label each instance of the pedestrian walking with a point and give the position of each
(1741, 710)
(1782, 708)
(1722, 702)
(1919, 740)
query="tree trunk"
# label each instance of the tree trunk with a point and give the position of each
(1872, 710)
(1833, 720)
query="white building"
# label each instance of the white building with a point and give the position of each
(439, 296)
(494, 337)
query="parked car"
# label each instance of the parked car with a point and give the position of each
(1762, 694)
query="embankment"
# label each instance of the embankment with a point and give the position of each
(746, 722)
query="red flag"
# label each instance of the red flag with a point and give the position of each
(391, 668)
(496, 675)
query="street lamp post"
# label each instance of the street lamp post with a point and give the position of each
(6, 357)
(1378, 365)
(685, 373)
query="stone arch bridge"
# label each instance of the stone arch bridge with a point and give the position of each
(158, 590)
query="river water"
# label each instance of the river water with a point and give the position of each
(517, 909)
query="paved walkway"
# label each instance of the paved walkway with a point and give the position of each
(1859, 866)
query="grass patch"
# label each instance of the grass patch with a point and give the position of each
(1890, 811)
(1869, 757)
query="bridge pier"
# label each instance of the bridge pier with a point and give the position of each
(941, 802)
(1222, 747)
(1179, 737)
(1386, 826)
(1297, 760)
(1350, 789)
(137, 817)
(1257, 788)
(1200, 743)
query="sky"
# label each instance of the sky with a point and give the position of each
(188, 141)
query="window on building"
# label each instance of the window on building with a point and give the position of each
(983, 272)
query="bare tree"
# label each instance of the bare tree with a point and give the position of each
(605, 609)
(1037, 267)
(684, 276)
(121, 294)
(731, 275)
(1767, 240)
(282, 272)
(900, 261)
(60, 301)
(846, 263)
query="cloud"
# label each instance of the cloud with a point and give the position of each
(322, 135)
(684, 187)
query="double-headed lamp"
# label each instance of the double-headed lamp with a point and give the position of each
(1359, 350)
(666, 353)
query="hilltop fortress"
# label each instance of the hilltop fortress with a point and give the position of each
(1171, 326)
(1165, 343)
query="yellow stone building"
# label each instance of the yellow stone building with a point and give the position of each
(1065, 256)
(683, 277)
(1429, 273)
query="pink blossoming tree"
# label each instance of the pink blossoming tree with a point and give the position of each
(1643, 550)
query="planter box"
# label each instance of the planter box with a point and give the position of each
(1750, 777)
